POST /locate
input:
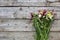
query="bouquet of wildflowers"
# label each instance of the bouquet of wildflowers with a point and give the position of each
(42, 23)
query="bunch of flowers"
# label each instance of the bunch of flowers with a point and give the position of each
(42, 23)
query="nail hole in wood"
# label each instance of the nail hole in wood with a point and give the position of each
(26, 26)
(20, 9)
(15, 24)
(8, 24)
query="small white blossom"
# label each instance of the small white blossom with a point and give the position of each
(43, 16)
(39, 15)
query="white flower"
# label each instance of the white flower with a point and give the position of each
(43, 16)
(39, 15)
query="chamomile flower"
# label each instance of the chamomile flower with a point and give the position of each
(39, 15)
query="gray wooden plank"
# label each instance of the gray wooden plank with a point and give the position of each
(5, 36)
(23, 25)
(22, 2)
(54, 4)
(24, 12)
(53, 0)
(17, 35)
(6, 39)
(54, 36)
(28, 35)
(28, 2)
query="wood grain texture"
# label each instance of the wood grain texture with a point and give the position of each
(22, 2)
(53, 0)
(5, 36)
(54, 4)
(15, 15)
(23, 25)
(26, 35)
(29, 2)
(25, 12)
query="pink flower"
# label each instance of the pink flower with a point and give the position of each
(44, 12)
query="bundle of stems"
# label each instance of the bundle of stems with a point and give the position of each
(42, 27)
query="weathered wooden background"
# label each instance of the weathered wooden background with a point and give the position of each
(15, 15)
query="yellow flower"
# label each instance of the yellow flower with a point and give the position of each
(49, 14)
